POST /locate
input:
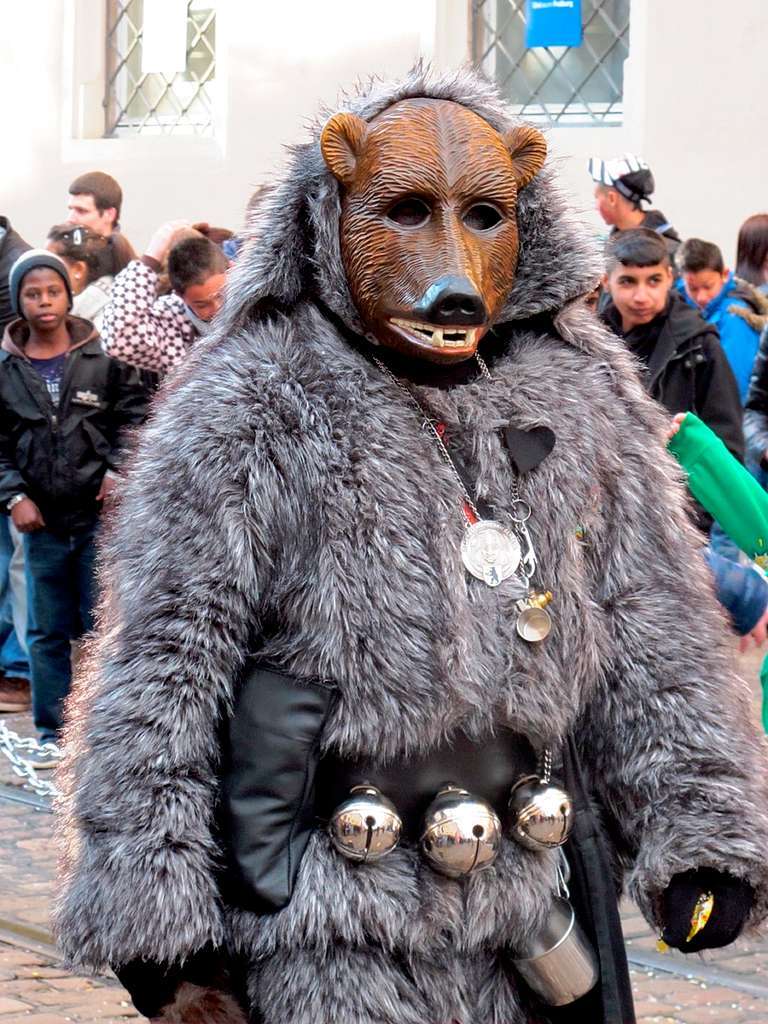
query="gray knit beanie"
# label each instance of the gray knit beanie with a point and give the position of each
(31, 260)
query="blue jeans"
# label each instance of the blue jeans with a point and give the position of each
(14, 662)
(62, 589)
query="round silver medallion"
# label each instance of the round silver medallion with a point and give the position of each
(490, 551)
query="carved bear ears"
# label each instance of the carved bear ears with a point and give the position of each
(343, 138)
(341, 143)
(528, 149)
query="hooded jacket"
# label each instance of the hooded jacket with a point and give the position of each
(756, 410)
(285, 501)
(656, 221)
(58, 456)
(738, 338)
(687, 370)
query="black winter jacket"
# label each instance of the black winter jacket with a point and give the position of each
(756, 414)
(688, 371)
(12, 245)
(655, 220)
(58, 456)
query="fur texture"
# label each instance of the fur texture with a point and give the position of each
(285, 499)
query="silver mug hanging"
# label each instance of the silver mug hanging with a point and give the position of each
(558, 962)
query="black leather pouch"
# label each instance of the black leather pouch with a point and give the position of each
(271, 752)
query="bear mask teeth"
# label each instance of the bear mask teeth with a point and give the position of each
(439, 337)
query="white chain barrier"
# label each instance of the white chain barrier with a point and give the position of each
(14, 747)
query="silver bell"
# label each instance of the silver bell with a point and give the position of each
(366, 827)
(461, 833)
(542, 814)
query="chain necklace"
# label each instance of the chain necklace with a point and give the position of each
(490, 551)
(434, 432)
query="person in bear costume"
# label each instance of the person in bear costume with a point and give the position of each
(404, 522)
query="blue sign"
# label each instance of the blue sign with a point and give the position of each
(553, 23)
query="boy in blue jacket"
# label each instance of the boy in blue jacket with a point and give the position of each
(708, 285)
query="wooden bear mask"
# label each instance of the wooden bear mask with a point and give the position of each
(428, 226)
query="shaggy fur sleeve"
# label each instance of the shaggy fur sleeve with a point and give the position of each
(668, 738)
(183, 570)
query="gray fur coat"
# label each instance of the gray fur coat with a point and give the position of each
(283, 478)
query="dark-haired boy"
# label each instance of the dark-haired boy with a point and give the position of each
(95, 201)
(64, 405)
(684, 366)
(154, 332)
(709, 286)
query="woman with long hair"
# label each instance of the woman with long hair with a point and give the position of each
(752, 251)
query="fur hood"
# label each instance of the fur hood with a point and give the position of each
(16, 335)
(293, 240)
(755, 310)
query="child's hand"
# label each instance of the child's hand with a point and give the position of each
(162, 240)
(758, 633)
(675, 425)
(108, 486)
(27, 517)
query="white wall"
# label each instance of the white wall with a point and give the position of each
(279, 67)
(694, 94)
(695, 88)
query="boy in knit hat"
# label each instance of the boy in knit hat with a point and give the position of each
(64, 405)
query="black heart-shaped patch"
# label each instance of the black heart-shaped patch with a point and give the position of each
(528, 448)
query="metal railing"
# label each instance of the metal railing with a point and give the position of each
(138, 103)
(564, 85)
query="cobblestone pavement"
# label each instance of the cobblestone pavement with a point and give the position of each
(727, 986)
(35, 989)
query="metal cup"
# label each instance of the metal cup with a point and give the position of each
(558, 963)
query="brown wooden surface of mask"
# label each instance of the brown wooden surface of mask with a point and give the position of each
(429, 221)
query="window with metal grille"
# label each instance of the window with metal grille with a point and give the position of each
(179, 103)
(564, 85)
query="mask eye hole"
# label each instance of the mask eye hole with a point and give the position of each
(409, 213)
(482, 217)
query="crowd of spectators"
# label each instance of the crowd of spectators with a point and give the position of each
(89, 330)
